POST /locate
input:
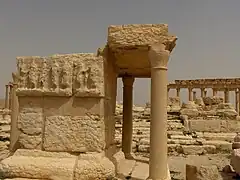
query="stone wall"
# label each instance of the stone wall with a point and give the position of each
(5, 120)
(193, 128)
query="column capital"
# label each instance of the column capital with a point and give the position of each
(158, 56)
(128, 80)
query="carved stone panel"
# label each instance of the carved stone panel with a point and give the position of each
(29, 70)
(74, 134)
(49, 76)
(59, 78)
(88, 76)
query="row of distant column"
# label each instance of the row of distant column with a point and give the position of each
(8, 95)
(192, 95)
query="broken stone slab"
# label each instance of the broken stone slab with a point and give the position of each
(202, 172)
(36, 164)
(213, 100)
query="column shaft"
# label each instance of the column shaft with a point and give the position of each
(10, 96)
(190, 98)
(237, 100)
(14, 132)
(178, 92)
(194, 95)
(226, 96)
(214, 92)
(202, 92)
(158, 162)
(205, 93)
(7, 97)
(127, 127)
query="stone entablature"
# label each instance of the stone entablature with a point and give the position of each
(218, 83)
(60, 75)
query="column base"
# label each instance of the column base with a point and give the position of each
(130, 156)
(36, 164)
(168, 176)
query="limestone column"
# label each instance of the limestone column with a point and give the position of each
(237, 100)
(158, 168)
(14, 132)
(205, 93)
(7, 96)
(168, 89)
(178, 92)
(226, 96)
(194, 95)
(10, 96)
(202, 92)
(214, 92)
(190, 98)
(127, 127)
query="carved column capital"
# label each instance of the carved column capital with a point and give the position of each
(158, 56)
(128, 80)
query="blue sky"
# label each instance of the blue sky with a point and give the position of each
(208, 32)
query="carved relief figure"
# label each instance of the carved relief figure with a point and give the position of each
(43, 75)
(23, 74)
(55, 72)
(66, 76)
(33, 75)
(83, 78)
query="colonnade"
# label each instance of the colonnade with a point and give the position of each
(192, 95)
(158, 162)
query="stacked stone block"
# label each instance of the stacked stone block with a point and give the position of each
(5, 121)
(193, 129)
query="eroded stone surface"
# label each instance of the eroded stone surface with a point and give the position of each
(74, 134)
(37, 166)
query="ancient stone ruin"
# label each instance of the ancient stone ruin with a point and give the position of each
(61, 120)
(62, 108)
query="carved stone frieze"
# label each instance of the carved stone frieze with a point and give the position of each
(60, 75)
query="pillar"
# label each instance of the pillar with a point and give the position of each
(194, 95)
(178, 92)
(7, 96)
(226, 96)
(190, 94)
(14, 132)
(214, 92)
(237, 100)
(202, 92)
(168, 89)
(205, 93)
(158, 167)
(127, 127)
(10, 96)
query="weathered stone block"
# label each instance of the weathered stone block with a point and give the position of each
(136, 35)
(30, 123)
(38, 165)
(205, 125)
(30, 104)
(75, 106)
(30, 141)
(77, 134)
(194, 172)
(94, 166)
(230, 126)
